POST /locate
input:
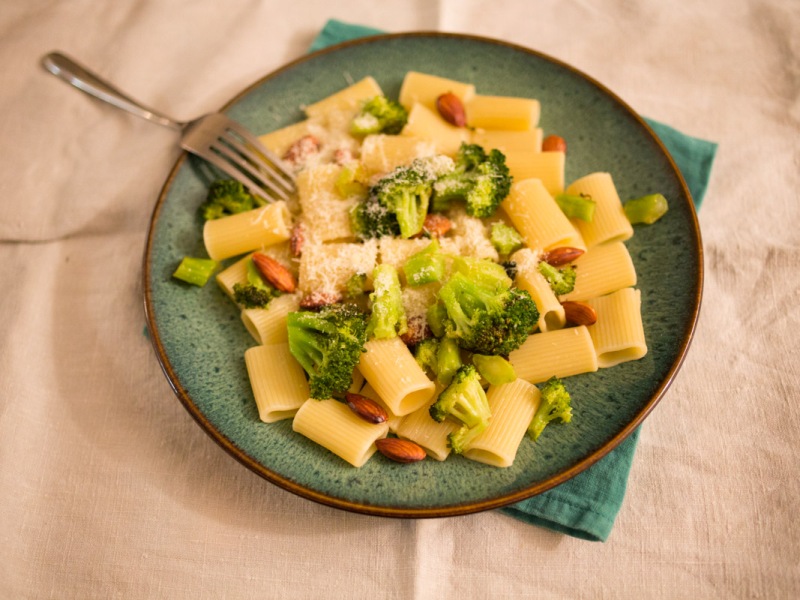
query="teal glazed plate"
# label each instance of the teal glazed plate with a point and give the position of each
(200, 340)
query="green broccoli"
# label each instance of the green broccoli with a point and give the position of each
(196, 271)
(426, 266)
(388, 318)
(494, 369)
(354, 287)
(328, 345)
(482, 271)
(448, 360)
(379, 115)
(370, 219)
(426, 355)
(482, 180)
(463, 402)
(255, 292)
(406, 192)
(483, 313)
(227, 197)
(554, 404)
(562, 281)
(505, 239)
(352, 180)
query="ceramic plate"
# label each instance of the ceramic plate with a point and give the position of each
(200, 340)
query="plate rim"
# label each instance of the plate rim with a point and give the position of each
(454, 509)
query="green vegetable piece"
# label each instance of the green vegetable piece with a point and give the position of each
(251, 296)
(436, 316)
(463, 402)
(426, 266)
(426, 355)
(388, 318)
(555, 404)
(405, 193)
(494, 369)
(355, 285)
(448, 360)
(562, 281)
(196, 271)
(227, 197)
(379, 115)
(647, 209)
(505, 239)
(577, 206)
(351, 181)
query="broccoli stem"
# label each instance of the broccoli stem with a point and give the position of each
(425, 266)
(494, 369)
(196, 271)
(647, 209)
(576, 206)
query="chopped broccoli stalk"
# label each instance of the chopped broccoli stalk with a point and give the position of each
(196, 271)
(227, 197)
(482, 271)
(426, 355)
(426, 266)
(379, 115)
(352, 181)
(481, 180)
(448, 360)
(577, 206)
(405, 193)
(494, 369)
(436, 316)
(328, 345)
(354, 286)
(370, 219)
(505, 239)
(486, 320)
(555, 404)
(647, 209)
(388, 318)
(463, 402)
(562, 281)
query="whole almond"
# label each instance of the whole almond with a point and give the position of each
(404, 451)
(275, 273)
(554, 143)
(366, 408)
(452, 109)
(579, 313)
(561, 256)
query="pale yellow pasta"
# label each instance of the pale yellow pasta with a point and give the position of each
(419, 427)
(513, 406)
(325, 268)
(369, 392)
(278, 141)
(278, 381)
(551, 312)
(533, 164)
(559, 353)
(233, 274)
(383, 153)
(618, 335)
(609, 223)
(326, 214)
(268, 325)
(508, 141)
(247, 231)
(603, 269)
(349, 99)
(537, 217)
(423, 123)
(332, 425)
(390, 368)
(425, 89)
(503, 112)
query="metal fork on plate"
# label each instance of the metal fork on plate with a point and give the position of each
(214, 137)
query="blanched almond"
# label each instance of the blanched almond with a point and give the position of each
(366, 408)
(579, 313)
(452, 109)
(404, 451)
(275, 273)
(561, 256)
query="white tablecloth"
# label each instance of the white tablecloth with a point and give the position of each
(109, 488)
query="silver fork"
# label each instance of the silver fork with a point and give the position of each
(216, 138)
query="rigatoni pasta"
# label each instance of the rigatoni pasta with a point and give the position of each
(278, 382)
(618, 335)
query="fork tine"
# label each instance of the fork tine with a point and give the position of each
(247, 168)
(224, 165)
(256, 162)
(256, 145)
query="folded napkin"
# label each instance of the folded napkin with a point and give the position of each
(585, 506)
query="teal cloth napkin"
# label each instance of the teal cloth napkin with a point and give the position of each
(586, 506)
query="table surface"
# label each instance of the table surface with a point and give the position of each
(112, 490)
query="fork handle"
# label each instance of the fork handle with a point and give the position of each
(70, 71)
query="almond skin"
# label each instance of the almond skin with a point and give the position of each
(403, 451)
(579, 313)
(316, 300)
(436, 225)
(452, 109)
(275, 273)
(301, 150)
(554, 143)
(561, 256)
(297, 239)
(366, 408)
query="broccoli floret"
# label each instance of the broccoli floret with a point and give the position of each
(562, 281)
(482, 180)
(505, 239)
(354, 287)
(405, 193)
(481, 311)
(352, 180)
(255, 292)
(426, 353)
(554, 404)
(448, 360)
(379, 115)
(370, 219)
(388, 318)
(463, 402)
(227, 197)
(328, 345)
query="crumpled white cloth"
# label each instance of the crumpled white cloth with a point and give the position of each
(109, 489)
